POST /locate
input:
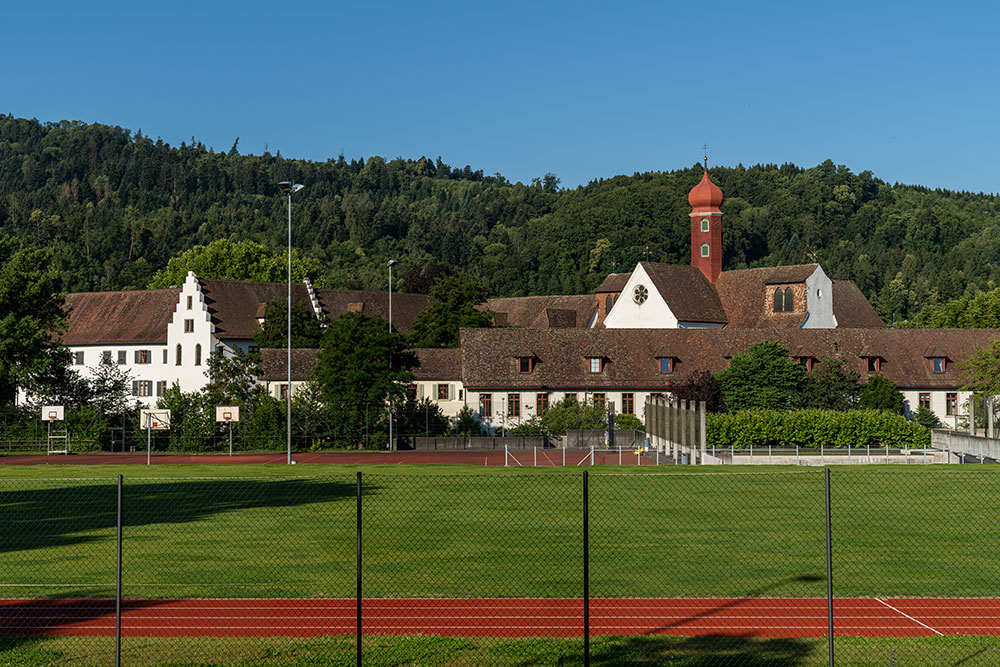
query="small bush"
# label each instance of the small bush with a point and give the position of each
(814, 428)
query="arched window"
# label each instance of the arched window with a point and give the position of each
(778, 302)
(178, 356)
(704, 250)
(789, 300)
(609, 301)
(197, 354)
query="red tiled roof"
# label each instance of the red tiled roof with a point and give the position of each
(274, 364)
(438, 363)
(687, 292)
(405, 307)
(139, 316)
(851, 308)
(631, 354)
(541, 312)
(615, 282)
(795, 273)
(435, 363)
(234, 304)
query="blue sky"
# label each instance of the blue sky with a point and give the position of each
(584, 89)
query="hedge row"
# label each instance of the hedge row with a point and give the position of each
(814, 428)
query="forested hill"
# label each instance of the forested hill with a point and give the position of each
(115, 206)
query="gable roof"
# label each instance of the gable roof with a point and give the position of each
(851, 308)
(234, 304)
(139, 316)
(405, 307)
(615, 282)
(435, 363)
(541, 312)
(687, 292)
(742, 295)
(795, 273)
(631, 354)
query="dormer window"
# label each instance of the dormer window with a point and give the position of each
(525, 364)
(666, 364)
(874, 364)
(596, 364)
(938, 364)
(806, 362)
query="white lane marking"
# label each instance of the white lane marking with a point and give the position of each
(908, 616)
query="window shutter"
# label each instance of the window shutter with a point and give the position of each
(135, 387)
(136, 357)
(451, 392)
(420, 390)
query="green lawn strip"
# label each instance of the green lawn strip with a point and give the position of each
(437, 531)
(446, 651)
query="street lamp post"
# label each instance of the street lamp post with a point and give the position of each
(289, 188)
(391, 263)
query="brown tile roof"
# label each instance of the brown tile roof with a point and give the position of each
(851, 308)
(435, 363)
(615, 282)
(631, 354)
(438, 363)
(687, 292)
(741, 293)
(542, 312)
(234, 304)
(795, 273)
(405, 307)
(139, 316)
(274, 364)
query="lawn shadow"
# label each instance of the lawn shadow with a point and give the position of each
(702, 651)
(60, 516)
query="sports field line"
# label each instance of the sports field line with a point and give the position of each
(517, 617)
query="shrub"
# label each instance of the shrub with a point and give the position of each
(814, 428)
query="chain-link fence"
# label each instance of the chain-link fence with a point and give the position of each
(510, 567)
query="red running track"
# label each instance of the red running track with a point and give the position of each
(522, 617)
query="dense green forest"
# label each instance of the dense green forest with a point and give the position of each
(116, 206)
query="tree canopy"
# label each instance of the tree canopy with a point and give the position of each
(228, 260)
(763, 377)
(438, 324)
(307, 329)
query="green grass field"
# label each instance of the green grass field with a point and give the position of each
(203, 531)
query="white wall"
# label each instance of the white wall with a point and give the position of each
(653, 313)
(911, 402)
(155, 371)
(190, 377)
(819, 301)
(456, 395)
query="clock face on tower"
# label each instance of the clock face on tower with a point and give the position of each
(640, 294)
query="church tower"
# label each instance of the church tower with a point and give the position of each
(706, 227)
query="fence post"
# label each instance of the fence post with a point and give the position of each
(586, 572)
(358, 595)
(118, 584)
(702, 426)
(829, 569)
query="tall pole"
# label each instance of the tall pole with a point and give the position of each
(391, 262)
(288, 341)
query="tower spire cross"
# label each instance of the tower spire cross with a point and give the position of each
(705, 148)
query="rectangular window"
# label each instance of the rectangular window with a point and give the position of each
(541, 404)
(143, 356)
(122, 357)
(443, 392)
(938, 364)
(628, 404)
(873, 364)
(666, 365)
(106, 357)
(161, 387)
(924, 400)
(525, 364)
(600, 399)
(164, 355)
(189, 303)
(145, 388)
(252, 349)
(283, 391)
(461, 394)
(595, 364)
(570, 397)
(188, 326)
(78, 358)
(513, 405)
(485, 406)
(951, 403)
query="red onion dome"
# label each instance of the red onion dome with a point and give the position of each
(705, 195)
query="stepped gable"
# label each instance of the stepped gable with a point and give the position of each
(688, 293)
(543, 312)
(852, 309)
(405, 307)
(438, 363)
(133, 317)
(742, 294)
(234, 304)
(489, 363)
(274, 363)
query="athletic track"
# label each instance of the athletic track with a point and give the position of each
(746, 617)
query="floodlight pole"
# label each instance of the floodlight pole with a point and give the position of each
(289, 188)
(390, 264)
